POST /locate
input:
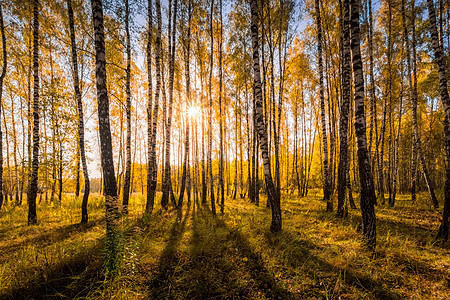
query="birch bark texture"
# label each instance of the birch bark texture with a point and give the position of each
(273, 196)
(367, 195)
(76, 83)
(152, 167)
(127, 181)
(344, 114)
(443, 91)
(149, 102)
(326, 168)
(106, 151)
(2, 78)
(33, 189)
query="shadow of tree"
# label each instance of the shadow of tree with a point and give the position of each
(53, 236)
(161, 284)
(75, 276)
(385, 226)
(414, 266)
(72, 278)
(229, 266)
(297, 253)
(219, 263)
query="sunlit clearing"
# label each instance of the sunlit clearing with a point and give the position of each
(193, 112)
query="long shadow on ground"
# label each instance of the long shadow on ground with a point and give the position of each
(72, 278)
(298, 254)
(385, 225)
(76, 276)
(219, 264)
(53, 236)
(161, 284)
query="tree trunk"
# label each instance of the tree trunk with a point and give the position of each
(152, 166)
(84, 213)
(250, 152)
(2, 77)
(33, 190)
(373, 106)
(343, 120)
(204, 166)
(149, 202)
(187, 59)
(126, 183)
(326, 170)
(77, 171)
(417, 142)
(167, 184)
(367, 196)
(443, 91)
(389, 86)
(60, 177)
(272, 193)
(107, 162)
(211, 178)
(221, 173)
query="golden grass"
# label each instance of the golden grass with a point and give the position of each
(192, 255)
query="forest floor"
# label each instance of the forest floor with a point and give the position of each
(193, 255)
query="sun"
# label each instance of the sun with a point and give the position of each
(193, 112)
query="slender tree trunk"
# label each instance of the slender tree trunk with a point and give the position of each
(8, 184)
(167, 184)
(107, 162)
(211, 178)
(326, 170)
(2, 77)
(84, 213)
(396, 149)
(351, 151)
(221, 173)
(241, 154)
(152, 167)
(15, 152)
(343, 120)
(55, 131)
(77, 171)
(60, 173)
(187, 59)
(250, 152)
(238, 148)
(29, 120)
(373, 106)
(204, 166)
(23, 163)
(33, 190)
(126, 183)
(367, 196)
(417, 141)
(272, 194)
(256, 186)
(389, 105)
(150, 201)
(443, 91)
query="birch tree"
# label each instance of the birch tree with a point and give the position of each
(33, 189)
(126, 183)
(367, 195)
(2, 78)
(107, 162)
(443, 92)
(76, 82)
(272, 194)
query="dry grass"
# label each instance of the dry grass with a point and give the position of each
(192, 255)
